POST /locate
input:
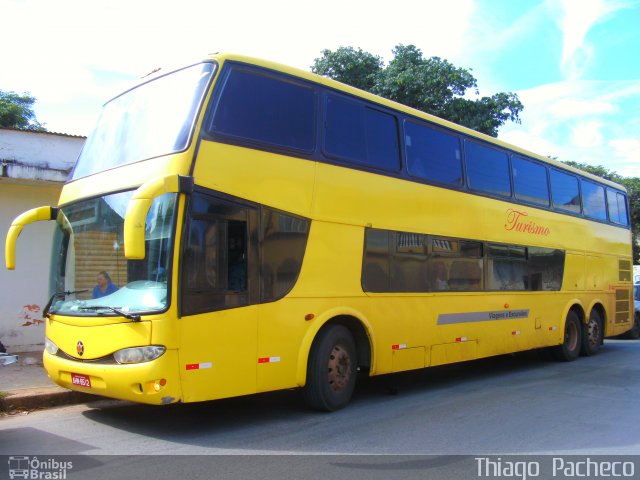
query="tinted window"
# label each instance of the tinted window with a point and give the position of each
(545, 268)
(360, 134)
(266, 109)
(216, 256)
(617, 204)
(456, 265)
(564, 190)
(375, 265)
(283, 240)
(593, 200)
(394, 262)
(530, 181)
(409, 263)
(507, 267)
(432, 154)
(237, 255)
(487, 169)
(413, 262)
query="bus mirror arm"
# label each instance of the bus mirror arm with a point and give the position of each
(138, 208)
(30, 216)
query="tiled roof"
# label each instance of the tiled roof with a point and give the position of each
(46, 133)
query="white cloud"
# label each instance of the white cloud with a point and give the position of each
(594, 122)
(628, 151)
(571, 107)
(587, 134)
(575, 20)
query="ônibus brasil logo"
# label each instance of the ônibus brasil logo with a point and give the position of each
(34, 468)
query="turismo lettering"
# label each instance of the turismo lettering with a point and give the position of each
(517, 222)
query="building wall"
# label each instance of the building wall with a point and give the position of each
(24, 291)
(34, 167)
(51, 153)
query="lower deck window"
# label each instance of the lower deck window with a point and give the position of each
(411, 262)
(237, 255)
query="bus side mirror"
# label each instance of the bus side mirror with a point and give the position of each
(30, 216)
(138, 208)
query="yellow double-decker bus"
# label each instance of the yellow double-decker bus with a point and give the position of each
(239, 226)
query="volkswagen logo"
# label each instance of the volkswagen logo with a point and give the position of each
(80, 348)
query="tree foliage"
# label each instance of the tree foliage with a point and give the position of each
(432, 85)
(632, 184)
(357, 68)
(16, 111)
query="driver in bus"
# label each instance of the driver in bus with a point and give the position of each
(104, 287)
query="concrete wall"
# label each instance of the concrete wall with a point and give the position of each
(24, 291)
(34, 167)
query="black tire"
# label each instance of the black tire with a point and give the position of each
(592, 334)
(331, 370)
(569, 350)
(634, 333)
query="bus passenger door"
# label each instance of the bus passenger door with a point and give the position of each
(218, 296)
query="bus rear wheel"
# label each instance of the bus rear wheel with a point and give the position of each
(592, 334)
(331, 370)
(569, 350)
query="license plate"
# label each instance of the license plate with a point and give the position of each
(80, 380)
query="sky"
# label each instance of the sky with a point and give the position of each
(575, 64)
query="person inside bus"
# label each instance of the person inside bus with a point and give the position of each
(104, 287)
(439, 277)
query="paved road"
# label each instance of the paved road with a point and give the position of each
(517, 404)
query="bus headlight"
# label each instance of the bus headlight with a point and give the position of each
(50, 347)
(138, 354)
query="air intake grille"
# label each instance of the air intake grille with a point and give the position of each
(623, 302)
(624, 274)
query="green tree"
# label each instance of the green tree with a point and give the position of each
(432, 85)
(16, 111)
(632, 184)
(357, 68)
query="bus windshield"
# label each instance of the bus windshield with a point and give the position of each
(90, 274)
(153, 119)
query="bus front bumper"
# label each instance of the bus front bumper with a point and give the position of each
(156, 382)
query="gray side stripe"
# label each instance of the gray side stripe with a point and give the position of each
(452, 318)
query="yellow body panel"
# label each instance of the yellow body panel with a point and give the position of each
(223, 346)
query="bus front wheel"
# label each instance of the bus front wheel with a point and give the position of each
(569, 350)
(592, 334)
(331, 370)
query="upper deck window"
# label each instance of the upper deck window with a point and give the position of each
(487, 169)
(257, 106)
(361, 135)
(151, 120)
(593, 200)
(565, 191)
(617, 204)
(433, 155)
(530, 181)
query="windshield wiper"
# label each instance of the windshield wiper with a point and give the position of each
(130, 316)
(47, 307)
